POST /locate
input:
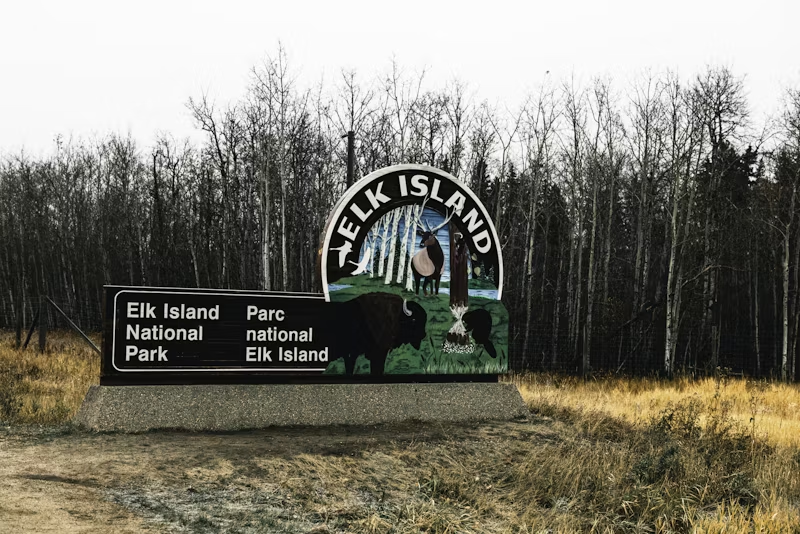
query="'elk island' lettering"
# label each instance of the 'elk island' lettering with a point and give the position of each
(362, 206)
(145, 310)
(159, 332)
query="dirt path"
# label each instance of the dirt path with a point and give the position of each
(276, 480)
(48, 485)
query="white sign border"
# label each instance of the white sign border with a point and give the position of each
(216, 369)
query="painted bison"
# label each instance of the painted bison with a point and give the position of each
(372, 324)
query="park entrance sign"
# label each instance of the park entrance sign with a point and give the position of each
(411, 273)
(412, 277)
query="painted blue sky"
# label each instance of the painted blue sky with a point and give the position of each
(433, 218)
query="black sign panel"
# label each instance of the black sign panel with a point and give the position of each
(196, 331)
(180, 336)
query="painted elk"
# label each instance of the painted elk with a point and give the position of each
(428, 263)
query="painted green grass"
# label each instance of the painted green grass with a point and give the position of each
(430, 359)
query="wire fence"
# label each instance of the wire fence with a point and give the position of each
(90, 321)
(629, 354)
(634, 349)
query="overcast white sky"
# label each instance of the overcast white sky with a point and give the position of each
(89, 67)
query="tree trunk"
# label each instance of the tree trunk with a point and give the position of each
(587, 341)
(775, 321)
(532, 214)
(404, 255)
(794, 308)
(756, 319)
(715, 321)
(415, 214)
(395, 215)
(266, 282)
(557, 310)
(284, 236)
(385, 221)
(459, 276)
(708, 301)
(546, 258)
(607, 261)
(785, 338)
(571, 276)
(672, 290)
(637, 269)
(576, 313)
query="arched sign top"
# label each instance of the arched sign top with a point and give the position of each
(379, 228)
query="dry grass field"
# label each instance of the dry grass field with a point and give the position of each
(45, 388)
(609, 455)
(770, 410)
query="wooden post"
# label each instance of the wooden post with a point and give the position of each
(42, 325)
(18, 310)
(34, 324)
(351, 157)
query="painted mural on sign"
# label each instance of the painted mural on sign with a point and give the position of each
(412, 257)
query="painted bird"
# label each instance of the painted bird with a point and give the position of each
(361, 267)
(344, 250)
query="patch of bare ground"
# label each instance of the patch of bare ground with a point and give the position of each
(564, 471)
(405, 478)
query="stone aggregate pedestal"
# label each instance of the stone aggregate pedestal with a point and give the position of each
(250, 406)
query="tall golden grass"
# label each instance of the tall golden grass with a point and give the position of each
(707, 455)
(606, 455)
(769, 409)
(45, 388)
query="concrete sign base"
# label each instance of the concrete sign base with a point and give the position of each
(248, 406)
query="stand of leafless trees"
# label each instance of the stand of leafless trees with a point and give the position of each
(646, 227)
